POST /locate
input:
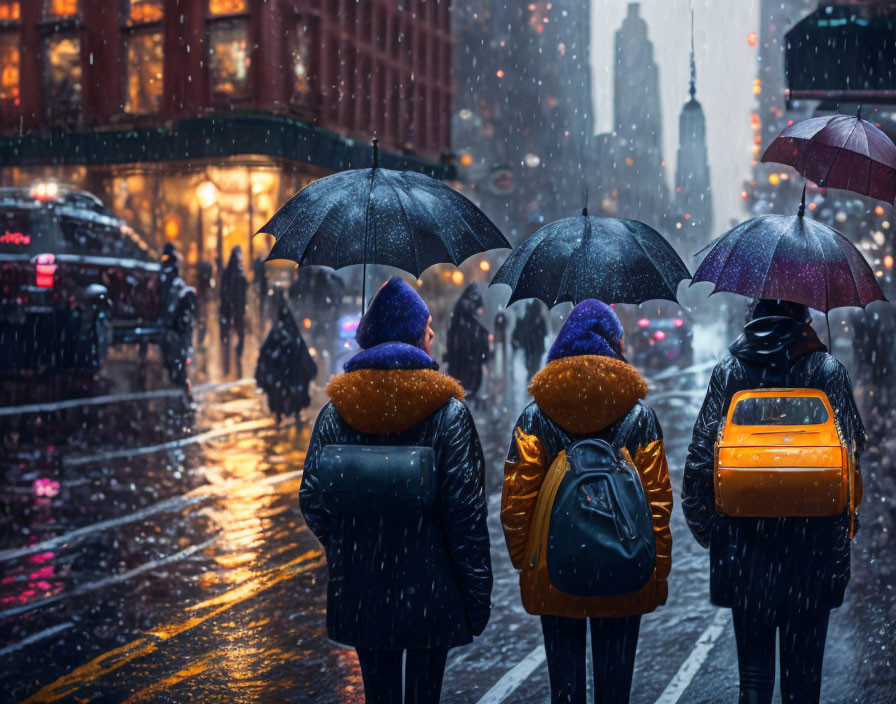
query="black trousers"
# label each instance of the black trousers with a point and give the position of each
(613, 644)
(802, 639)
(381, 672)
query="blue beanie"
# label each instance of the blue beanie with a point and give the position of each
(591, 328)
(396, 314)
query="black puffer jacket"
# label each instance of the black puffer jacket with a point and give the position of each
(404, 581)
(771, 566)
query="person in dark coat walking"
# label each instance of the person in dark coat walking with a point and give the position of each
(773, 573)
(587, 390)
(468, 347)
(285, 367)
(260, 279)
(528, 335)
(232, 308)
(205, 275)
(416, 584)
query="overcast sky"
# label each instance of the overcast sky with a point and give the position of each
(726, 66)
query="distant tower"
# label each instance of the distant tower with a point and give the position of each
(636, 148)
(693, 195)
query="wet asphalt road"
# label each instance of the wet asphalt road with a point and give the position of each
(152, 551)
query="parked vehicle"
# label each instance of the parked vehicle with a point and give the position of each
(660, 337)
(74, 280)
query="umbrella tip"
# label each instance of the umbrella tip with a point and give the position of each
(859, 112)
(585, 211)
(376, 153)
(802, 211)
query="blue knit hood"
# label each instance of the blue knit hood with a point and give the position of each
(391, 332)
(591, 328)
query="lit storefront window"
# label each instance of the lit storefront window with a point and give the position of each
(62, 73)
(298, 54)
(9, 66)
(229, 58)
(227, 7)
(144, 11)
(60, 8)
(9, 10)
(144, 43)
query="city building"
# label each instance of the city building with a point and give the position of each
(195, 119)
(630, 164)
(693, 193)
(523, 114)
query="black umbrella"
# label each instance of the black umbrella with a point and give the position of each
(402, 219)
(792, 258)
(615, 261)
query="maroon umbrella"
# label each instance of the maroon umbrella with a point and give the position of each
(839, 152)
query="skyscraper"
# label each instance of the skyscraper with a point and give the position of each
(630, 161)
(693, 194)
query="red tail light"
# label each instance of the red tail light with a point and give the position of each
(644, 322)
(659, 335)
(46, 270)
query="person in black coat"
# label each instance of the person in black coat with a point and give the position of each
(468, 346)
(774, 573)
(285, 367)
(529, 334)
(232, 309)
(419, 584)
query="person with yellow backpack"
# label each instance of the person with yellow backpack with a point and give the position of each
(771, 486)
(586, 506)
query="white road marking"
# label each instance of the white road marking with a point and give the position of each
(108, 581)
(676, 372)
(118, 398)
(36, 638)
(172, 444)
(695, 660)
(174, 503)
(513, 678)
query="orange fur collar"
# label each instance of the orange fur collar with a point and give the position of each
(585, 394)
(382, 401)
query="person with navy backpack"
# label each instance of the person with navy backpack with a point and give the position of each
(586, 506)
(394, 489)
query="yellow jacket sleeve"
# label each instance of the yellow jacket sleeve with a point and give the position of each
(524, 472)
(651, 463)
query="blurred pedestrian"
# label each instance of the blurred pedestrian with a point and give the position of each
(587, 392)
(285, 367)
(468, 346)
(205, 276)
(232, 309)
(409, 566)
(529, 334)
(782, 573)
(260, 279)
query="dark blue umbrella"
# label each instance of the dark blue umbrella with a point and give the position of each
(792, 258)
(615, 261)
(402, 219)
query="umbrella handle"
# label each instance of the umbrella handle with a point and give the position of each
(376, 163)
(802, 211)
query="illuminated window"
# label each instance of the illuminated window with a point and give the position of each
(62, 73)
(228, 59)
(144, 72)
(144, 11)
(298, 60)
(227, 7)
(9, 66)
(9, 10)
(60, 8)
(144, 50)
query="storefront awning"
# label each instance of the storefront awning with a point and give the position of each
(844, 53)
(205, 138)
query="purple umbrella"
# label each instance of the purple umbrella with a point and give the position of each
(839, 152)
(792, 258)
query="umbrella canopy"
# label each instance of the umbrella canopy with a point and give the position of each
(615, 261)
(792, 258)
(402, 219)
(839, 152)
